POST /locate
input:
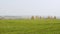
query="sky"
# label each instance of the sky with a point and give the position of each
(29, 7)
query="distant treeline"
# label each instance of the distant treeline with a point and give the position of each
(27, 17)
(39, 17)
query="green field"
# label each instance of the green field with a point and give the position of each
(42, 26)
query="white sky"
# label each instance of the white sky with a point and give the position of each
(30, 7)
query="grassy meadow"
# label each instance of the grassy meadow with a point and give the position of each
(26, 26)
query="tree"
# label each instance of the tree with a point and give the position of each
(32, 17)
(40, 17)
(54, 17)
(48, 17)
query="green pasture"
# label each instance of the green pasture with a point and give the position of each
(26, 26)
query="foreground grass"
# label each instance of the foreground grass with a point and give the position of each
(42, 26)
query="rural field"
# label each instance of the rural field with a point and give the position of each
(26, 26)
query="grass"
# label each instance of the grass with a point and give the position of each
(42, 26)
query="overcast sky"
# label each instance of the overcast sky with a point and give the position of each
(30, 7)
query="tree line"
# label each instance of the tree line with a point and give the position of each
(39, 17)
